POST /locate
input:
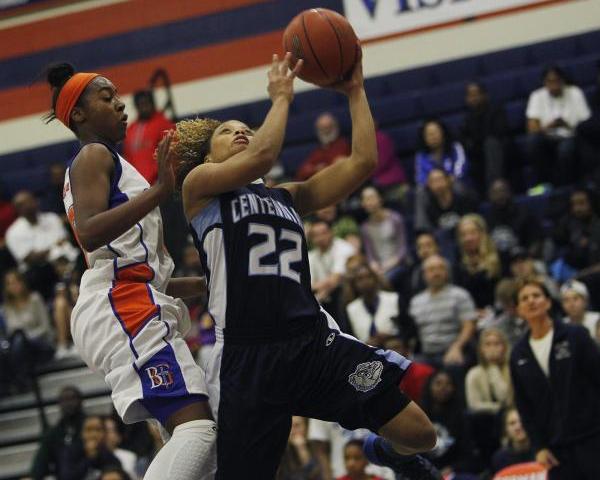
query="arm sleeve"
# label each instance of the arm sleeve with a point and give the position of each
(466, 307)
(589, 354)
(476, 400)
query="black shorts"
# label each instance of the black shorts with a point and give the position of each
(320, 373)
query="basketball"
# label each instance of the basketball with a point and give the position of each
(326, 42)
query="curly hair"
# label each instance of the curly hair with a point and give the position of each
(192, 145)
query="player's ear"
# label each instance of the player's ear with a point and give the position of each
(77, 115)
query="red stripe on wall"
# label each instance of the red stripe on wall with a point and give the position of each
(182, 67)
(103, 21)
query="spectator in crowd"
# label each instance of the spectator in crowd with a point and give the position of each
(588, 135)
(511, 224)
(555, 370)
(478, 268)
(8, 215)
(389, 176)
(127, 458)
(413, 382)
(299, 461)
(413, 281)
(436, 149)
(343, 226)
(142, 438)
(516, 447)
(487, 387)
(190, 262)
(87, 458)
(440, 206)
(575, 298)
(356, 462)
(35, 239)
(383, 235)
(27, 326)
(484, 134)
(50, 456)
(52, 201)
(577, 234)
(506, 319)
(444, 315)
(553, 113)
(114, 473)
(373, 313)
(443, 404)
(327, 261)
(144, 134)
(65, 297)
(329, 440)
(331, 147)
(523, 266)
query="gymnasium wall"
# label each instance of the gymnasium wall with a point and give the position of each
(216, 52)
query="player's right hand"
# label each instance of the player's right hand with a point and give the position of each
(281, 77)
(166, 168)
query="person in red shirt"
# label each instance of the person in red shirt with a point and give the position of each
(356, 462)
(332, 146)
(144, 134)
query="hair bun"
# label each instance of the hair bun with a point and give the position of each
(58, 74)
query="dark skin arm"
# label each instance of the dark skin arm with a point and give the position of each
(91, 174)
(186, 287)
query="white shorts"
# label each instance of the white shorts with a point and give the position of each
(133, 334)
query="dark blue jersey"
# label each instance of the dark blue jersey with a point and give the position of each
(253, 250)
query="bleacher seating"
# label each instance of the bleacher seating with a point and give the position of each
(400, 101)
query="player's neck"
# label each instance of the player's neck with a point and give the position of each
(85, 138)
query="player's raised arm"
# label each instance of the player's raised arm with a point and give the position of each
(257, 151)
(336, 182)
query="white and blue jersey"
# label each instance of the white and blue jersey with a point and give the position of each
(253, 250)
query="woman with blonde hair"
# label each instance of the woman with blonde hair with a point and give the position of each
(488, 386)
(479, 267)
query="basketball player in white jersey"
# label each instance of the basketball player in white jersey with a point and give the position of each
(126, 322)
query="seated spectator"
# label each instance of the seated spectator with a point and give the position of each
(144, 134)
(331, 147)
(356, 462)
(488, 388)
(516, 447)
(478, 268)
(414, 380)
(27, 327)
(505, 318)
(36, 239)
(299, 461)
(577, 234)
(389, 174)
(511, 224)
(439, 208)
(575, 298)
(444, 406)
(484, 134)
(523, 266)
(373, 313)
(444, 315)
(114, 438)
(343, 226)
(50, 456)
(383, 235)
(437, 150)
(90, 455)
(114, 473)
(588, 135)
(142, 438)
(413, 281)
(553, 113)
(329, 440)
(327, 261)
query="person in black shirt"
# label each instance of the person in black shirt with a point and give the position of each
(516, 445)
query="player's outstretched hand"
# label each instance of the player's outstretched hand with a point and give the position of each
(166, 168)
(281, 77)
(354, 80)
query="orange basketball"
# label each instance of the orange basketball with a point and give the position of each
(326, 42)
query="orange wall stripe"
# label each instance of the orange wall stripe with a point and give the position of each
(104, 21)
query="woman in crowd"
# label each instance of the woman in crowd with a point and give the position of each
(516, 447)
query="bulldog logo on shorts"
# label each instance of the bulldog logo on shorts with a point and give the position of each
(160, 376)
(366, 376)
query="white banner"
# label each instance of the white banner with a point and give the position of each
(378, 18)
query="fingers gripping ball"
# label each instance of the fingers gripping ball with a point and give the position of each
(326, 42)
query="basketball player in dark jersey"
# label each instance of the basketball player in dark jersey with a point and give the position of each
(278, 353)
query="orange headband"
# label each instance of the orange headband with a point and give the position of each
(70, 93)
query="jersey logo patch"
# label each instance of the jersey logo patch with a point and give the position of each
(330, 339)
(160, 376)
(366, 376)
